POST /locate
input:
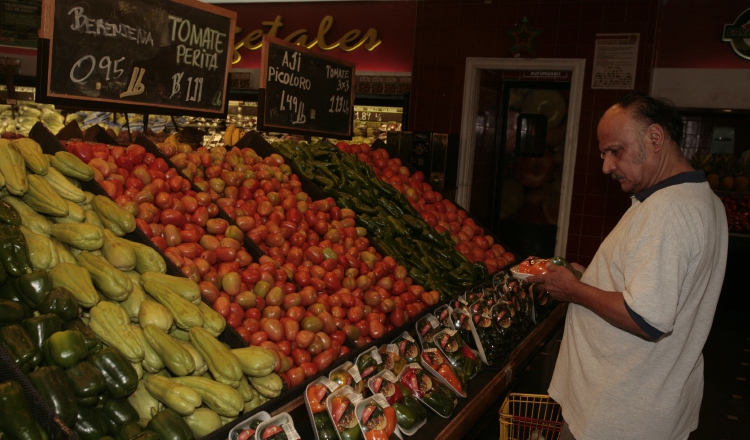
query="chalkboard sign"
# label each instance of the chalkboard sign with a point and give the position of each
(304, 93)
(165, 54)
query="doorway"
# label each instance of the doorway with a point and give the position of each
(564, 131)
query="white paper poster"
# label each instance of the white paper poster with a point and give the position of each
(615, 61)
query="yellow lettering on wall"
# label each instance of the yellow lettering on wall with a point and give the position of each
(347, 43)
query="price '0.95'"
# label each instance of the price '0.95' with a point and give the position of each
(79, 73)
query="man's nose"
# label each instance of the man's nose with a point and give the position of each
(608, 165)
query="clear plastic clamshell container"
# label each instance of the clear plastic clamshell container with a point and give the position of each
(369, 362)
(316, 393)
(273, 428)
(371, 416)
(386, 384)
(260, 417)
(392, 359)
(443, 315)
(407, 347)
(465, 361)
(430, 392)
(348, 374)
(340, 406)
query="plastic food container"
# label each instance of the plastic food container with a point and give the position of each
(372, 415)
(262, 416)
(280, 427)
(315, 401)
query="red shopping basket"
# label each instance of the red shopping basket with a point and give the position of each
(530, 417)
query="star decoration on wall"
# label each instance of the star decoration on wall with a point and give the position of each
(523, 36)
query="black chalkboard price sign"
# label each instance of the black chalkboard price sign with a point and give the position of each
(304, 93)
(165, 54)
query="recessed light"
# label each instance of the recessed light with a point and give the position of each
(727, 110)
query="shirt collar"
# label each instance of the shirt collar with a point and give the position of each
(686, 177)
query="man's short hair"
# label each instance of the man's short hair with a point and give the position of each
(649, 110)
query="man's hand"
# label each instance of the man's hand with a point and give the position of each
(559, 282)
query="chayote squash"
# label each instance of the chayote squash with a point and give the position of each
(151, 360)
(81, 236)
(111, 324)
(76, 279)
(32, 155)
(71, 166)
(13, 168)
(256, 361)
(109, 280)
(62, 185)
(113, 216)
(118, 251)
(268, 386)
(185, 287)
(203, 422)
(186, 314)
(148, 259)
(212, 320)
(42, 198)
(30, 218)
(224, 365)
(180, 398)
(176, 358)
(223, 399)
(151, 312)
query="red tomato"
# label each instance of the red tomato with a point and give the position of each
(310, 369)
(324, 359)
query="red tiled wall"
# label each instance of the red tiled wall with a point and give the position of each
(447, 32)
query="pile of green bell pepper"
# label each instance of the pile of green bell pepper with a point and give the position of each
(14, 257)
(392, 223)
(21, 347)
(51, 383)
(17, 421)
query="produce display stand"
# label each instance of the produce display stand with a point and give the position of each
(483, 390)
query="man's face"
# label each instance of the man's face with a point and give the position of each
(621, 142)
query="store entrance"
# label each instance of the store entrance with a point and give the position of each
(517, 179)
(529, 153)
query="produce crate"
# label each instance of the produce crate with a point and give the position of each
(530, 417)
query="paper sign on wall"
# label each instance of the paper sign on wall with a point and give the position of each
(615, 61)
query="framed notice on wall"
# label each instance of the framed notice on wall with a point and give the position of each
(615, 61)
(170, 55)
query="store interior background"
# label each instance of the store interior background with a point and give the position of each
(674, 34)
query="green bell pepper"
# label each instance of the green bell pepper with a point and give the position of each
(324, 426)
(353, 433)
(420, 412)
(170, 425)
(60, 301)
(51, 383)
(145, 435)
(86, 382)
(89, 424)
(93, 343)
(117, 413)
(13, 253)
(8, 214)
(42, 327)
(121, 377)
(33, 287)
(128, 431)
(11, 312)
(21, 347)
(65, 348)
(17, 422)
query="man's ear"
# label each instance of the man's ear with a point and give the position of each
(655, 137)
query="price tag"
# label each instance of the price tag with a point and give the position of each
(355, 398)
(290, 431)
(376, 356)
(328, 383)
(408, 337)
(389, 376)
(354, 372)
(433, 321)
(392, 348)
(380, 399)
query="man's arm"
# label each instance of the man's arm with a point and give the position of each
(610, 306)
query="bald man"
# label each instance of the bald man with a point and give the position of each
(630, 363)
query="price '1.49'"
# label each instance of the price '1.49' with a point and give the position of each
(339, 104)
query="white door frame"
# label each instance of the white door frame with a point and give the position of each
(472, 79)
